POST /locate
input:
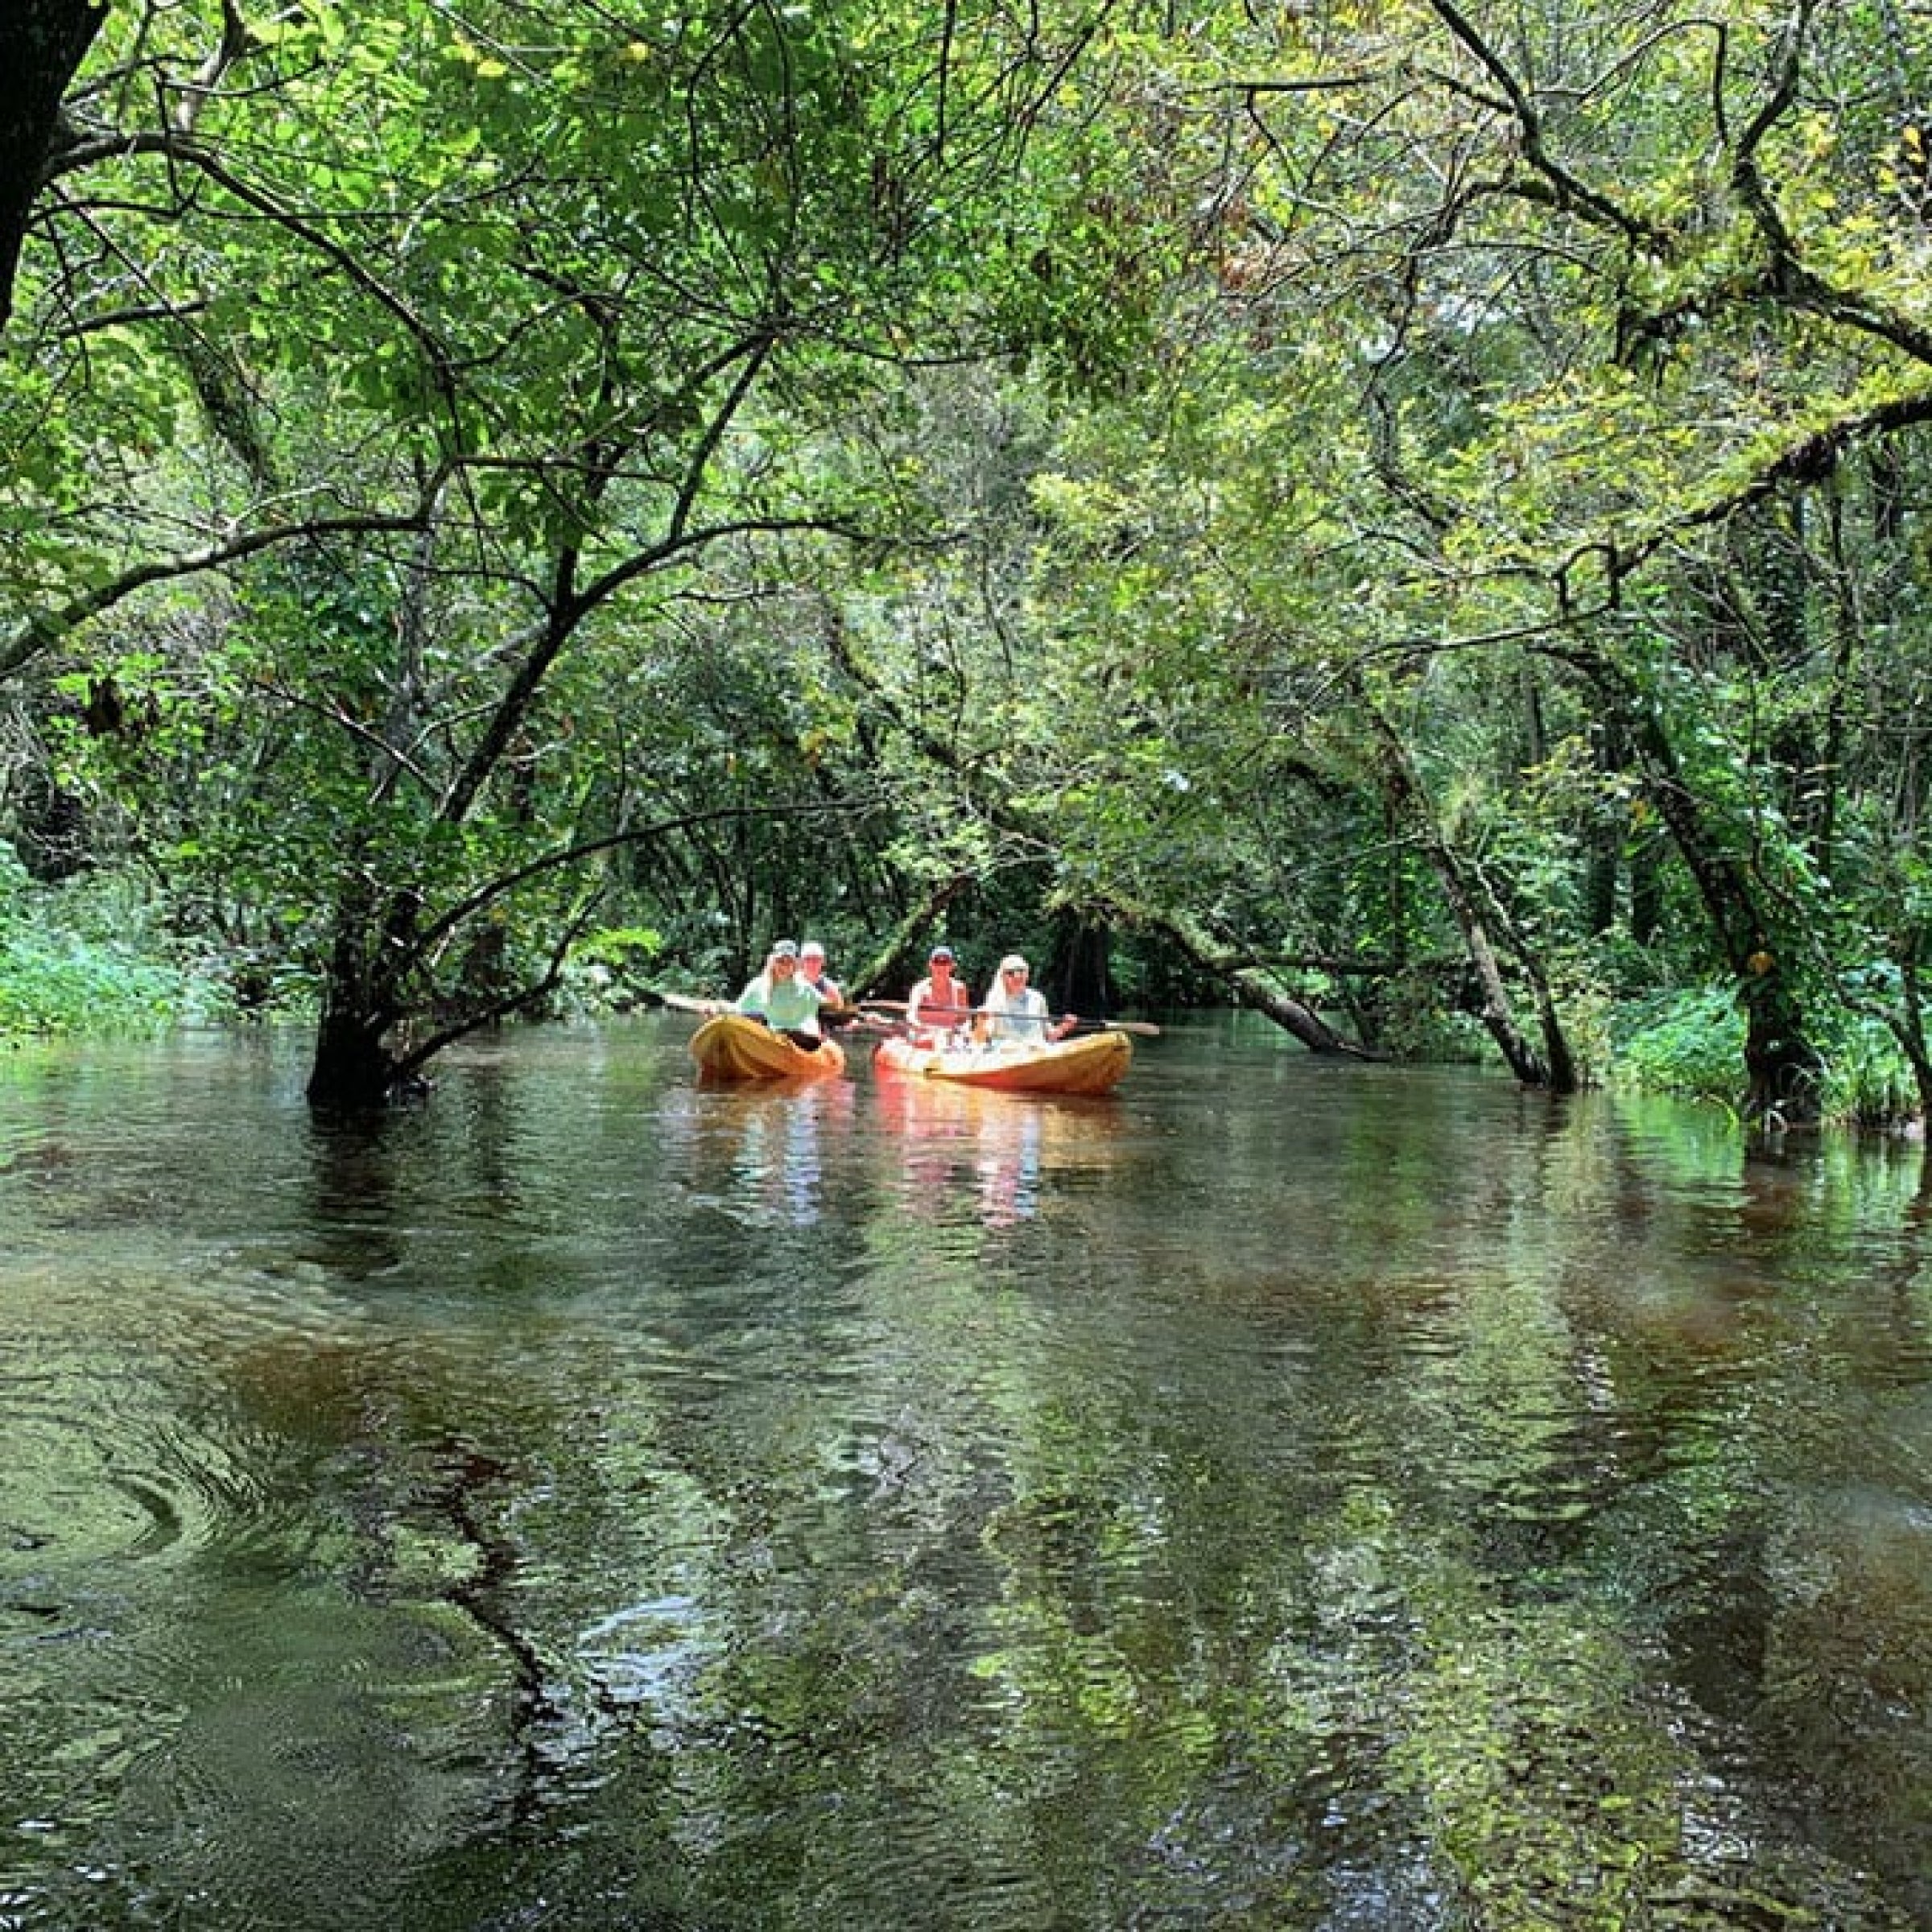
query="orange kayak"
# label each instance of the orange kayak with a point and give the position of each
(734, 1046)
(1093, 1062)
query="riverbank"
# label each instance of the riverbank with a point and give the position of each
(92, 956)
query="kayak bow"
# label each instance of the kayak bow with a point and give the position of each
(734, 1046)
(1093, 1062)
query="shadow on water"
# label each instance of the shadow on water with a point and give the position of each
(1275, 1496)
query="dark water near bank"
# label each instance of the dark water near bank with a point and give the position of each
(1282, 1496)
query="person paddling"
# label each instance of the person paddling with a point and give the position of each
(811, 969)
(1013, 1010)
(783, 998)
(939, 1002)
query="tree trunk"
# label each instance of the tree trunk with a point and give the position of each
(1781, 1067)
(1085, 984)
(902, 960)
(1477, 913)
(354, 1067)
(1603, 835)
(1250, 984)
(353, 1071)
(376, 964)
(1909, 1029)
(41, 43)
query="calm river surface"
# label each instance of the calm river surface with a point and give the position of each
(1281, 1496)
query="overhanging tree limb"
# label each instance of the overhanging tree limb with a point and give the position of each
(1251, 984)
(44, 631)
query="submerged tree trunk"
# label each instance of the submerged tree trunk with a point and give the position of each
(354, 1067)
(353, 1071)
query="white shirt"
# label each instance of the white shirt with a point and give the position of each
(1016, 1016)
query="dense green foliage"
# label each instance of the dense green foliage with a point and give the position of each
(89, 960)
(1406, 512)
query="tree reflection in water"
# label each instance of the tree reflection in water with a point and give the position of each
(1273, 1496)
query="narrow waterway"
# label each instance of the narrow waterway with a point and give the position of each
(1279, 1496)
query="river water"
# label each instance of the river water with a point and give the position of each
(1280, 1496)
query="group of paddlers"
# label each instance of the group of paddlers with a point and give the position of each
(793, 987)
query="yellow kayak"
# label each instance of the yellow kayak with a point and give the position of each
(734, 1046)
(1094, 1062)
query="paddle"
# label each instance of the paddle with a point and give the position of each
(1146, 1028)
(680, 1002)
(842, 1016)
(683, 1002)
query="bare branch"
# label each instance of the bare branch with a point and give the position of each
(1565, 190)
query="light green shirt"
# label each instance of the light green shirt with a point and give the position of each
(790, 1002)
